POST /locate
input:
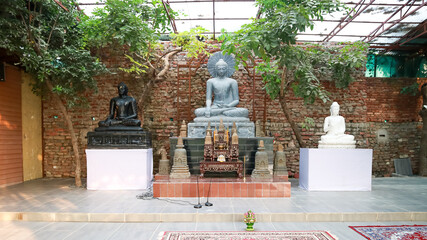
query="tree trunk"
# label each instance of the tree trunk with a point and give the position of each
(284, 84)
(294, 127)
(150, 84)
(74, 140)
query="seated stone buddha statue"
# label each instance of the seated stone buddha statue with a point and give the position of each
(222, 98)
(123, 110)
(334, 126)
(225, 93)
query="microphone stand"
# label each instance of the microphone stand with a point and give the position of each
(244, 168)
(208, 204)
(198, 205)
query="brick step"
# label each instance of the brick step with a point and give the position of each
(222, 187)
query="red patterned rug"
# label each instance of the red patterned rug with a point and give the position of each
(395, 232)
(291, 235)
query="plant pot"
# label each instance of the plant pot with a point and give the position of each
(250, 226)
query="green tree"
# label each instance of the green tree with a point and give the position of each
(139, 24)
(289, 67)
(46, 38)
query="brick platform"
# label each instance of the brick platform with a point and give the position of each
(222, 187)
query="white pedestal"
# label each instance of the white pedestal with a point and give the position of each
(335, 169)
(119, 169)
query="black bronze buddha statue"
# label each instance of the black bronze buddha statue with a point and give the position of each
(123, 110)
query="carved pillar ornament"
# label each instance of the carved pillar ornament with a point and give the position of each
(279, 167)
(209, 129)
(234, 129)
(164, 166)
(261, 163)
(180, 166)
(258, 129)
(183, 130)
(221, 125)
(234, 151)
(208, 149)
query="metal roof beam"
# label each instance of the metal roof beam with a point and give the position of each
(382, 4)
(356, 21)
(344, 35)
(208, 1)
(345, 21)
(231, 18)
(413, 34)
(374, 34)
(191, 1)
(385, 47)
(415, 37)
(210, 19)
(183, 1)
(213, 20)
(166, 5)
(394, 47)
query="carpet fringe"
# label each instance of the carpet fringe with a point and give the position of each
(229, 235)
(333, 235)
(160, 236)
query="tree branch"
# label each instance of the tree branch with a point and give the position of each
(30, 38)
(51, 31)
(164, 54)
(167, 64)
(40, 12)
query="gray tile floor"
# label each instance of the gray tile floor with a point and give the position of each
(388, 195)
(17, 230)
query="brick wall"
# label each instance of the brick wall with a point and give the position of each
(368, 106)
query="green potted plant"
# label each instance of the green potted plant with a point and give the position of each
(249, 218)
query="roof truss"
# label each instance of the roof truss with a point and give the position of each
(397, 15)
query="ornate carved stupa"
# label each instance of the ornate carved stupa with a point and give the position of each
(221, 151)
(180, 166)
(261, 163)
(164, 167)
(279, 167)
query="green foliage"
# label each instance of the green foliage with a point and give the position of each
(308, 123)
(272, 39)
(138, 24)
(192, 41)
(271, 76)
(411, 90)
(223, 36)
(135, 23)
(136, 67)
(345, 59)
(48, 42)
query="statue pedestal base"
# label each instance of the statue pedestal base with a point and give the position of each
(335, 169)
(119, 169)
(349, 145)
(119, 139)
(215, 166)
(180, 172)
(197, 129)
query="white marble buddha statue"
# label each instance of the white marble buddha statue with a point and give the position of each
(334, 127)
